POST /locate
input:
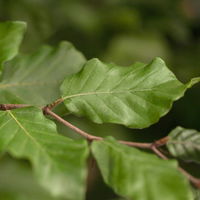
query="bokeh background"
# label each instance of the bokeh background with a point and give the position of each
(119, 31)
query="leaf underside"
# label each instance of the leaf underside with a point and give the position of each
(35, 79)
(135, 96)
(59, 162)
(137, 175)
(185, 144)
(11, 34)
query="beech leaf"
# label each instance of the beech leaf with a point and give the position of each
(59, 163)
(138, 175)
(135, 96)
(35, 79)
(185, 144)
(11, 34)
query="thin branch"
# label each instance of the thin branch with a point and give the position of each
(136, 144)
(66, 123)
(47, 110)
(90, 137)
(193, 180)
(12, 106)
(153, 146)
(158, 153)
(55, 103)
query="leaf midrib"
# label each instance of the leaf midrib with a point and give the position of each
(106, 92)
(29, 135)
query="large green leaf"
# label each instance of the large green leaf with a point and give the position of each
(185, 144)
(136, 96)
(137, 175)
(35, 79)
(11, 34)
(59, 162)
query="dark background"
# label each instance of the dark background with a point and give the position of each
(114, 31)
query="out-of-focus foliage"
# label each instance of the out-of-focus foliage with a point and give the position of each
(122, 32)
(17, 182)
(11, 34)
(25, 80)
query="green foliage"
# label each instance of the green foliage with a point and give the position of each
(184, 143)
(135, 96)
(18, 183)
(138, 175)
(11, 34)
(59, 162)
(35, 79)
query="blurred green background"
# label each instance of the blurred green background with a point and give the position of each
(115, 31)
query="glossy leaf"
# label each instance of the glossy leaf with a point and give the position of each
(185, 144)
(137, 175)
(135, 96)
(59, 162)
(11, 34)
(35, 79)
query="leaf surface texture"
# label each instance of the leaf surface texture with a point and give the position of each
(185, 144)
(135, 96)
(137, 175)
(59, 162)
(35, 79)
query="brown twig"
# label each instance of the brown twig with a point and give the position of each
(91, 137)
(55, 103)
(153, 146)
(193, 180)
(12, 106)
(158, 153)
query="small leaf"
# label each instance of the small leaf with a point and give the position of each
(35, 79)
(135, 96)
(11, 34)
(137, 175)
(185, 144)
(59, 162)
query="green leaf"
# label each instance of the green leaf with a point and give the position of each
(11, 34)
(59, 162)
(17, 182)
(137, 175)
(135, 96)
(185, 144)
(35, 79)
(197, 194)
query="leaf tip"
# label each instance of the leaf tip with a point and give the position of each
(192, 82)
(158, 60)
